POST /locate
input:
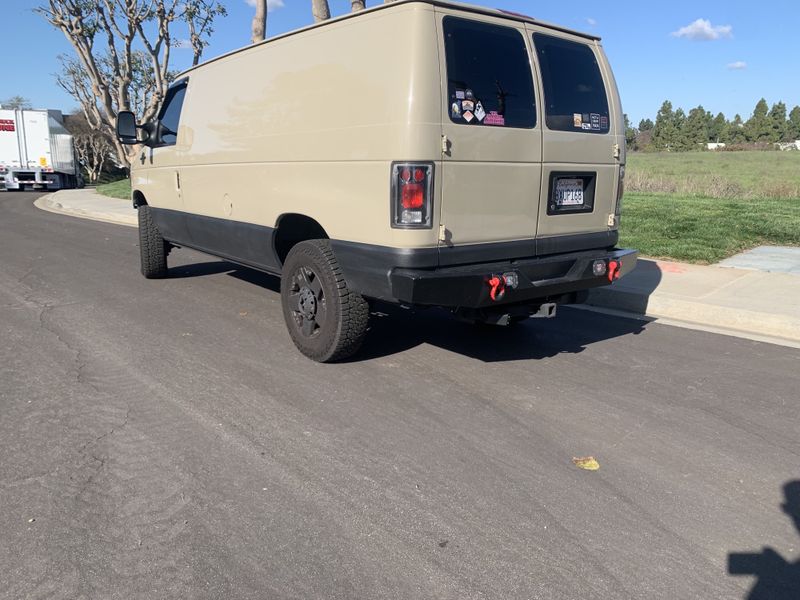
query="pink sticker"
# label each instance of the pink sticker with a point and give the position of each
(494, 119)
(468, 116)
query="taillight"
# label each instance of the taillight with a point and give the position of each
(620, 191)
(412, 190)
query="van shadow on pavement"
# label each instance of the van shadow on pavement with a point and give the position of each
(394, 329)
(777, 578)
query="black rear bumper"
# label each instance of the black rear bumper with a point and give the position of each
(403, 276)
(546, 279)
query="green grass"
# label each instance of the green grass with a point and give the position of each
(705, 206)
(116, 189)
(705, 230)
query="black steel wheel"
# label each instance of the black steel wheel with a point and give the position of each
(326, 320)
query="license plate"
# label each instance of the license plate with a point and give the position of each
(569, 192)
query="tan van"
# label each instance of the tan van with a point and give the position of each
(419, 152)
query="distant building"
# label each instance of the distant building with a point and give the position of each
(795, 145)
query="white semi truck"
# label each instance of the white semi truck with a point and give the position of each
(36, 151)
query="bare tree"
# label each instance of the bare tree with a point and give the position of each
(120, 46)
(199, 16)
(16, 102)
(259, 26)
(320, 10)
(93, 148)
(356, 5)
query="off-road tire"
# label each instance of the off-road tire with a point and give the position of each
(343, 314)
(153, 249)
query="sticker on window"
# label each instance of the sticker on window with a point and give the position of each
(493, 118)
(468, 116)
(460, 94)
(480, 113)
(595, 121)
(455, 109)
(467, 105)
(577, 120)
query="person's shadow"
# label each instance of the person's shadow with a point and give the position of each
(778, 579)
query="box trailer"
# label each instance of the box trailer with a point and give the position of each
(36, 151)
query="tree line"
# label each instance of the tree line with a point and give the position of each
(674, 130)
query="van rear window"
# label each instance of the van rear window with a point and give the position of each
(489, 80)
(574, 94)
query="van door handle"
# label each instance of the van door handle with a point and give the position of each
(177, 181)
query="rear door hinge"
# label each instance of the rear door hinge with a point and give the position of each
(442, 233)
(445, 145)
(615, 150)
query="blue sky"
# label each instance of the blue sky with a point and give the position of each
(723, 55)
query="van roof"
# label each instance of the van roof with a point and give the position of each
(445, 3)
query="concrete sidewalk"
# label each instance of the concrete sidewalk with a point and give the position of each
(743, 302)
(737, 301)
(88, 204)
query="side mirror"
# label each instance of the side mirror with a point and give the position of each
(126, 127)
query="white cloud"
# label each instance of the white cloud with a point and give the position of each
(592, 22)
(739, 65)
(271, 4)
(703, 30)
(182, 44)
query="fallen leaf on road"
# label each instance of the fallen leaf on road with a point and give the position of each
(242, 313)
(587, 463)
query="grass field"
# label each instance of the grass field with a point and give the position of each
(704, 206)
(737, 175)
(695, 206)
(116, 189)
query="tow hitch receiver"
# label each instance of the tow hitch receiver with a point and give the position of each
(546, 311)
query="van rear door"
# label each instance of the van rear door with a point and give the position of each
(580, 143)
(491, 171)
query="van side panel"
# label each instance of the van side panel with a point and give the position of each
(310, 124)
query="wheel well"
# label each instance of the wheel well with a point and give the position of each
(294, 228)
(138, 199)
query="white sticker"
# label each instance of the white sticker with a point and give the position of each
(460, 94)
(468, 116)
(586, 126)
(479, 112)
(456, 109)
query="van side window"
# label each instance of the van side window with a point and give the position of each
(574, 94)
(489, 80)
(171, 113)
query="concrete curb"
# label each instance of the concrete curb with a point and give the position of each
(735, 321)
(51, 203)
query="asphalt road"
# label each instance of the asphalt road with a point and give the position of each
(163, 439)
